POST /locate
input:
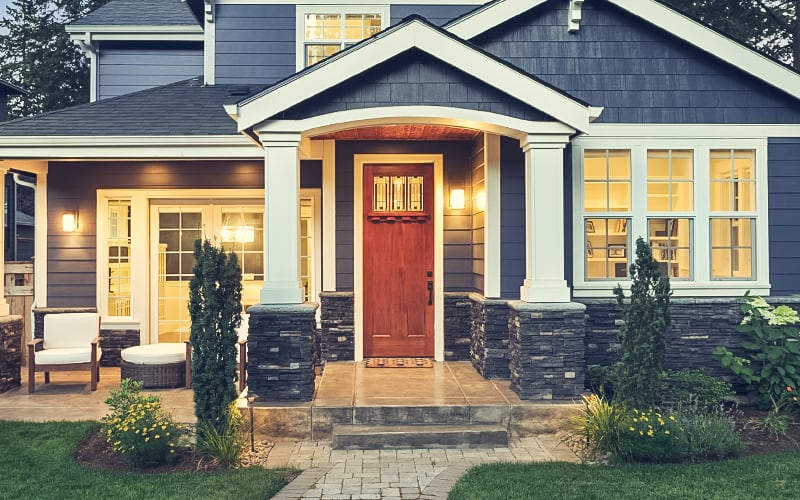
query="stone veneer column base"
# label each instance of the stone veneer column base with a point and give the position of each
(457, 330)
(337, 342)
(547, 350)
(490, 336)
(280, 346)
(10, 352)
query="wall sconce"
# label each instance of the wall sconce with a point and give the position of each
(457, 199)
(69, 221)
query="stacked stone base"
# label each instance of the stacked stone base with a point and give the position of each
(337, 335)
(489, 329)
(547, 350)
(280, 345)
(10, 352)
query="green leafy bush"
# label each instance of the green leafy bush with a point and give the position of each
(773, 349)
(650, 436)
(710, 434)
(223, 446)
(594, 431)
(139, 428)
(697, 387)
(645, 319)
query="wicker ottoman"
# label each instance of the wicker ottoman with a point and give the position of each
(156, 365)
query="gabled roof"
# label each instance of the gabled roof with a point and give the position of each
(413, 32)
(660, 16)
(138, 13)
(183, 108)
(9, 88)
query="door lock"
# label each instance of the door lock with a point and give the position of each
(430, 292)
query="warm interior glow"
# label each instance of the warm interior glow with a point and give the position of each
(69, 222)
(238, 234)
(457, 199)
(480, 200)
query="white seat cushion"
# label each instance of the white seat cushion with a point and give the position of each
(66, 356)
(69, 330)
(155, 354)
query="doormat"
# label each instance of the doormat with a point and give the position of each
(399, 363)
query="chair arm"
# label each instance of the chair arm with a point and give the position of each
(32, 349)
(35, 342)
(95, 341)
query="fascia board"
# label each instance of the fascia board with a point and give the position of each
(139, 147)
(423, 37)
(715, 44)
(474, 23)
(180, 28)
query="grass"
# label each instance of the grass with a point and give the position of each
(36, 462)
(755, 477)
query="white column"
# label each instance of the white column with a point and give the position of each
(4, 309)
(492, 234)
(329, 216)
(281, 219)
(544, 219)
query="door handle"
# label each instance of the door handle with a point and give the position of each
(430, 292)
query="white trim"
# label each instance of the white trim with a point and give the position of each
(661, 17)
(330, 8)
(329, 212)
(438, 250)
(5, 309)
(129, 147)
(315, 194)
(209, 44)
(574, 15)
(701, 283)
(181, 33)
(683, 131)
(40, 234)
(492, 237)
(347, 2)
(382, 47)
(92, 76)
(408, 115)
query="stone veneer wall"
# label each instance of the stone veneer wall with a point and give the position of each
(547, 350)
(489, 347)
(112, 341)
(10, 352)
(698, 326)
(457, 326)
(280, 347)
(337, 334)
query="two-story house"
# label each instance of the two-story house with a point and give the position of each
(445, 179)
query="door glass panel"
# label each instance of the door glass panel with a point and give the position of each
(242, 232)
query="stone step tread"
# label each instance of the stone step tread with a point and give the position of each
(415, 428)
(418, 436)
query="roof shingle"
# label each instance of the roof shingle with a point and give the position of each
(140, 13)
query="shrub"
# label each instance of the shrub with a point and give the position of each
(650, 436)
(138, 427)
(773, 350)
(710, 435)
(215, 308)
(645, 319)
(595, 430)
(696, 387)
(223, 446)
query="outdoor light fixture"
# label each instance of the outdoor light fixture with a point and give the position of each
(457, 199)
(69, 222)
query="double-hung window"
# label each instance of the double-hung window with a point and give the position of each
(325, 30)
(702, 208)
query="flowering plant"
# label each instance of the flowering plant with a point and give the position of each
(773, 349)
(139, 427)
(651, 436)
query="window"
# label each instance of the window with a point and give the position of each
(324, 31)
(695, 205)
(118, 236)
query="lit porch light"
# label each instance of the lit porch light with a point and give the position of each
(457, 199)
(69, 222)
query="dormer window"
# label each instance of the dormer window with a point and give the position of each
(323, 31)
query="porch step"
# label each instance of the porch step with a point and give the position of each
(377, 437)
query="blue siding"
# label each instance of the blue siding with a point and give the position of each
(414, 78)
(639, 73)
(122, 70)
(784, 215)
(437, 14)
(255, 43)
(512, 224)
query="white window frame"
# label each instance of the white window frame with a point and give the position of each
(341, 9)
(700, 283)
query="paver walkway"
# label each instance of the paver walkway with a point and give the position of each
(396, 474)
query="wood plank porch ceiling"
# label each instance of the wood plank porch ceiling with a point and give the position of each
(403, 133)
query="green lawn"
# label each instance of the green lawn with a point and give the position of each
(768, 477)
(36, 462)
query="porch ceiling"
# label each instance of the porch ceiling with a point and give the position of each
(403, 133)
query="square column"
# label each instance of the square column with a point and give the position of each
(281, 219)
(544, 219)
(4, 307)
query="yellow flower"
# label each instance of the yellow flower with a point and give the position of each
(632, 429)
(666, 432)
(650, 433)
(672, 418)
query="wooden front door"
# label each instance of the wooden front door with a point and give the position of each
(398, 260)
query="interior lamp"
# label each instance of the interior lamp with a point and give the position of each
(69, 222)
(457, 199)
(237, 233)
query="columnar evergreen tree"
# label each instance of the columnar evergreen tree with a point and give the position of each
(645, 318)
(37, 54)
(215, 308)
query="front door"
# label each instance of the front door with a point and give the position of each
(398, 260)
